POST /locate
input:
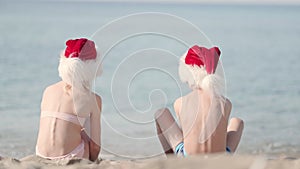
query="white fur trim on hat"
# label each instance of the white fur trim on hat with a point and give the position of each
(192, 75)
(197, 78)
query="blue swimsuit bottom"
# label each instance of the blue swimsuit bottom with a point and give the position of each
(180, 152)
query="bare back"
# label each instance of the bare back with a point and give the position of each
(192, 111)
(57, 136)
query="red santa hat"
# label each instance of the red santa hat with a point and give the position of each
(198, 66)
(79, 63)
(82, 48)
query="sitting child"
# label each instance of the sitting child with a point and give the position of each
(70, 111)
(203, 113)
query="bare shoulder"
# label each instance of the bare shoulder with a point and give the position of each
(177, 105)
(52, 87)
(49, 89)
(178, 102)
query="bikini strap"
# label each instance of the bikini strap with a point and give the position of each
(64, 116)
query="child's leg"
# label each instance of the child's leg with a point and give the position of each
(234, 133)
(163, 141)
(170, 135)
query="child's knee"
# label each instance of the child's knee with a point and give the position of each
(237, 121)
(160, 112)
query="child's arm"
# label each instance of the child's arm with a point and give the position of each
(95, 141)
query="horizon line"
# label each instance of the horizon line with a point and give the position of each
(204, 2)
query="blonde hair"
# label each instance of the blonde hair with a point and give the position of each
(77, 73)
(79, 77)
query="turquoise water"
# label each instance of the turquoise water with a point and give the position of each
(259, 53)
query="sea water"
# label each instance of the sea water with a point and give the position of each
(260, 52)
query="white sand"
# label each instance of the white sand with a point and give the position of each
(204, 161)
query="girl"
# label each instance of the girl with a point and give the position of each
(70, 112)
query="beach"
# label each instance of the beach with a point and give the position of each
(259, 58)
(172, 162)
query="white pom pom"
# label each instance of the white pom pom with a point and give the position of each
(197, 78)
(213, 84)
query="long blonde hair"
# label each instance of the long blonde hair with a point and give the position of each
(79, 77)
